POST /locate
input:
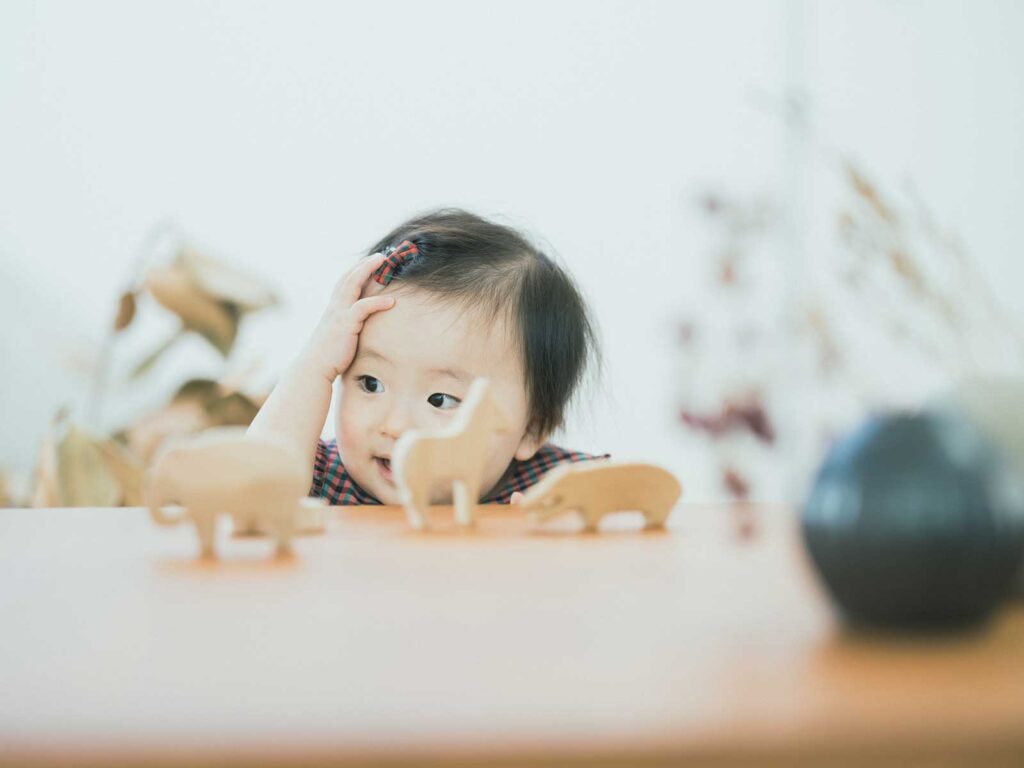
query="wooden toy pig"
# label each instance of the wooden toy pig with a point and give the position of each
(260, 484)
(594, 488)
(457, 454)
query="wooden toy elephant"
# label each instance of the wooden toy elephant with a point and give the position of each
(595, 488)
(260, 484)
(456, 453)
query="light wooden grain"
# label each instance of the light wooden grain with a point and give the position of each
(454, 455)
(505, 646)
(597, 488)
(256, 481)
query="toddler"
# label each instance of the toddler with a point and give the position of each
(442, 299)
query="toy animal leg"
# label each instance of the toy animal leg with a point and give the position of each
(283, 528)
(415, 510)
(655, 518)
(590, 520)
(206, 527)
(464, 496)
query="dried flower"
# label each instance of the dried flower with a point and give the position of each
(748, 415)
(734, 483)
(912, 284)
(125, 311)
(78, 467)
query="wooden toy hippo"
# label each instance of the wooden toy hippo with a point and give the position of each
(260, 484)
(594, 488)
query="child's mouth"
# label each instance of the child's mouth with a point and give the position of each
(384, 466)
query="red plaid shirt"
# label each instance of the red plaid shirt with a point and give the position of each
(332, 482)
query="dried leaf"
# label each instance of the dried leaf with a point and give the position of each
(197, 405)
(233, 409)
(125, 311)
(178, 418)
(203, 390)
(176, 289)
(225, 283)
(223, 405)
(83, 477)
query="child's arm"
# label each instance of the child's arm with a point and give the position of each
(295, 411)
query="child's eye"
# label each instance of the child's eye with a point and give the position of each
(438, 401)
(370, 384)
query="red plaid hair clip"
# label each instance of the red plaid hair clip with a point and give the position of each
(395, 257)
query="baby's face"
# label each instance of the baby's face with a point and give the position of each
(414, 365)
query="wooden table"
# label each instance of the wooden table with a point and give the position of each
(505, 647)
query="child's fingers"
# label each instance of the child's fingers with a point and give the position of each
(517, 498)
(350, 287)
(363, 308)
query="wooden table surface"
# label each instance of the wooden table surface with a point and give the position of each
(508, 646)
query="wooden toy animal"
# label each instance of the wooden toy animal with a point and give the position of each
(594, 488)
(261, 485)
(456, 453)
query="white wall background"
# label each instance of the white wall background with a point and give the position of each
(288, 136)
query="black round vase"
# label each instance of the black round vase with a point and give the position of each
(915, 521)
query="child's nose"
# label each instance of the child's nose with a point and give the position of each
(395, 422)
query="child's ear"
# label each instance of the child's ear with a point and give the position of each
(529, 445)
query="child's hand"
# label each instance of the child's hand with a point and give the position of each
(517, 498)
(333, 344)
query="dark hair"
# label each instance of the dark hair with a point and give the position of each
(481, 265)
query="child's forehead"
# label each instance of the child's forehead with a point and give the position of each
(429, 332)
(422, 311)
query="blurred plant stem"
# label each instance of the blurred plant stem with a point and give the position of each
(80, 463)
(144, 253)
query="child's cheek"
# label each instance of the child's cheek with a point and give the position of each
(502, 453)
(347, 428)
